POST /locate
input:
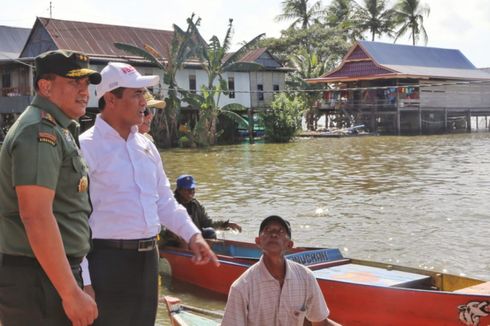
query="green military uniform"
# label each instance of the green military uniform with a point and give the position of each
(41, 149)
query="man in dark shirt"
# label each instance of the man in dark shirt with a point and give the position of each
(184, 193)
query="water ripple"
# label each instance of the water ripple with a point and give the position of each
(417, 201)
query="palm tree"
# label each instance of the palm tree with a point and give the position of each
(410, 17)
(375, 18)
(300, 13)
(339, 13)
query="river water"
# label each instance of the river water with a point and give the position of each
(418, 201)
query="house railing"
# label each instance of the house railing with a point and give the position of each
(14, 104)
(15, 91)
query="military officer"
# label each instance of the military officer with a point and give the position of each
(44, 205)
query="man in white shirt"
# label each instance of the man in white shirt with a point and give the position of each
(276, 291)
(131, 197)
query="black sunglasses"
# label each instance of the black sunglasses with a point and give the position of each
(148, 111)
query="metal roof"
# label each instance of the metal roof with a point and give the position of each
(420, 56)
(449, 73)
(12, 40)
(375, 60)
(97, 40)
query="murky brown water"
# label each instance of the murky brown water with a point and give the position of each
(417, 201)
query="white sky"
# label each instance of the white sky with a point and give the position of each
(453, 24)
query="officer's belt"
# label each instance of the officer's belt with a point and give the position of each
(137, 244)
(25, 261)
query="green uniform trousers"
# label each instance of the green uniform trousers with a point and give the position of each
(27, 296)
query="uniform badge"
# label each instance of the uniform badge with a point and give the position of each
(68, 135)
(83, 184)
(46, 137)
(48, 117)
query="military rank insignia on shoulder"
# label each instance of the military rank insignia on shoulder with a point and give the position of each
(46, 137)
(48, 117)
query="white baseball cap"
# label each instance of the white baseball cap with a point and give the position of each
(118, 74)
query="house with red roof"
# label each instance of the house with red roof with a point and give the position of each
(396, 88)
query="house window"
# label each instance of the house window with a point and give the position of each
(6, 80)
(192, 83)
(231, 87)
(260, 92)
(275, 88)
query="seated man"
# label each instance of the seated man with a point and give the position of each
(184, 193)
(276, 291)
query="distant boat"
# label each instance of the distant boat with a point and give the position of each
(358, 292)
(355, 131)
(184, 315)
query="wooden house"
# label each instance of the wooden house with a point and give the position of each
(97, 41)
(395, 88)
(15, 75)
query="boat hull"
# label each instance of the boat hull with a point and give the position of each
(351, 303)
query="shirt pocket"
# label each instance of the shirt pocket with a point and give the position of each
(74, 178)
(79, 164)
(297, 317)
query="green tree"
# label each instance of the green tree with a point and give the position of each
(204, 132)
(410, 18)
(339, 12)
(307, 65)
(300, 12)
(283, 119)
(328, 43)
(374, 17)
(183, 46)
(340, 15)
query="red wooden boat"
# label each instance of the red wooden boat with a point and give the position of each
(357, 292)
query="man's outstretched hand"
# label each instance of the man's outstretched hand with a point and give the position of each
(202, 252)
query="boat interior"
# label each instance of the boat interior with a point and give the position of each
(330, 264)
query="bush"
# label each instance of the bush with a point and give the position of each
(283, 120)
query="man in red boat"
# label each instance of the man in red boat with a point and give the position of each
(131, 198)
(184, 193)
(276, 291)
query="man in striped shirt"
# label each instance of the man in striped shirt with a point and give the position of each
(276, 291)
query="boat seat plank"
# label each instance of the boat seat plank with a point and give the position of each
(482, 288)
(362, 274)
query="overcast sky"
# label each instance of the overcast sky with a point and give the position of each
(452, 24)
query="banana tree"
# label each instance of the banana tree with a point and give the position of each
(216, 61)
(183, 46)
(307, 65)
(202, 134)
